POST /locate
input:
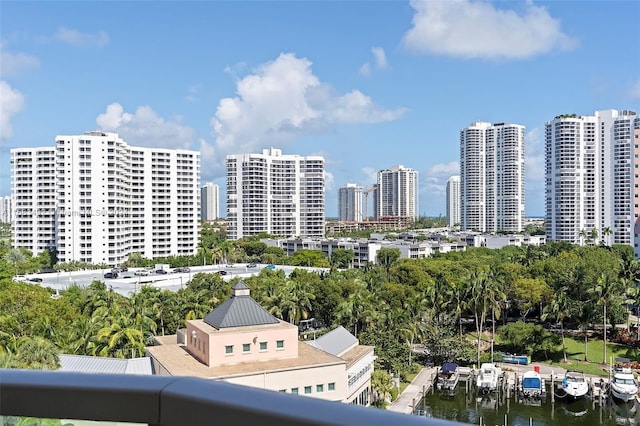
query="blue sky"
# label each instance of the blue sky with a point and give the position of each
(368, 85)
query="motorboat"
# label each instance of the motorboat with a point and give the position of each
(575, 384)
(623, 385)
(488, 378)
(532, 385)
(448, 376)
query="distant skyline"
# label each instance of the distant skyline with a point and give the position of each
(367, 85)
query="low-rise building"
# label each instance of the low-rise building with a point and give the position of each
(240, 342)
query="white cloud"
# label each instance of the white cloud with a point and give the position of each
(282, 99)
(11, 103)
(192, 93)
(436, 177)
(80, 39)
(329, 181)
(145, 127)
(635, 90)
(380, 57)
(476, 29)
(379, 62)
(13, 64)
(365, 69)
(371, 175)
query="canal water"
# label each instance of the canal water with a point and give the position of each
(492, 410)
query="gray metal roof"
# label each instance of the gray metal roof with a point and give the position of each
(240, 285)
(103, 365)
(239, 311)
(335, 342)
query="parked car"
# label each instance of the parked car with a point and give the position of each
(222, 272)
(35, 279)
(252, 265)
(161, 271)
(141, 273)
(181, 270)
(111, 275)
(270, 267)
(229, 265)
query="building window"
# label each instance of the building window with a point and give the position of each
(319, 388)
(332, 386)
(263, 346)
(279, 344)
(246, 347)
(228, 349)
(307, 389)
(294, 391)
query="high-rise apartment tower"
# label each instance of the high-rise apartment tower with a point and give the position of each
(592, 178)
(492, 177)
(397, 193)
(453, 201)
(209, 201)
(350, 203)
(275, 194)
(97, 199)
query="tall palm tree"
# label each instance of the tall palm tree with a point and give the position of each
(560, 308)
(606, 233)
(357, 309)
(477, 283)
(606, 290)
(299, 296)
(495, 298)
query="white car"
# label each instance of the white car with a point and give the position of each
(141, 272)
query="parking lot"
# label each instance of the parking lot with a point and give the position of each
(128, 282)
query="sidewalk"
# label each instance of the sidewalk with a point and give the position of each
(413, 392)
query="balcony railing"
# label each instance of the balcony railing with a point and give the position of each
(175, 401)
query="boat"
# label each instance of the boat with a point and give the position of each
(574, 384)
(516, 359)
(448, 376)
(623, 384)
(532, 385)
(488, 378)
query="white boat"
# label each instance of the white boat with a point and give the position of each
(488, 378)
(448, 376)
(574, 384)
(623, 384)
(532, 385)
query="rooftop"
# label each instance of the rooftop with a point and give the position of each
(178, 362)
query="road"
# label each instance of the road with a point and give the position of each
(128, 283)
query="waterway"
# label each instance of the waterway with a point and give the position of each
(468, 407)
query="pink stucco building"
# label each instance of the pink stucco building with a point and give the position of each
(240, 342)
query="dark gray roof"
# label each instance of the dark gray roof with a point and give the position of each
(239, 311)
(335, 342)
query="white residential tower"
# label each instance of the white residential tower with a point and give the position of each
(453, 201)
(350, 203)
(492, 177)
(275, 194)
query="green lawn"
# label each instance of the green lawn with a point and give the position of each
(595, 365)
(403, 385)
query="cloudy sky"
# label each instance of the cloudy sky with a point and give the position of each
(367, 85)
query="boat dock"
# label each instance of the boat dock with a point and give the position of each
(425, 381)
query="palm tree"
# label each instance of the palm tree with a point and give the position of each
(382, 384)
(606, 290)
(583, 235)
(357, 309)
(477, 283)
(299, 297)
(15, 257)
(495, 298)
(606, 232)
(560, 308)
